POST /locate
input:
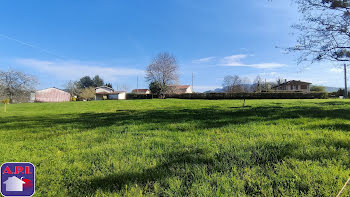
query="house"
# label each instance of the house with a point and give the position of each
(141, 91)
(180, 89)
(51, 95)
(14, 184)
(107, 93)
(293, 85)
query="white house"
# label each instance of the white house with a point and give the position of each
(107, 93)
(14, 184)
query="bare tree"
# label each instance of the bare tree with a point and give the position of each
(87, 94)
(245, 84)
(73, 88)
(324, 32)
(17, 85)
(280, 80)
(232, 84)
(163, 70)
(257, 84)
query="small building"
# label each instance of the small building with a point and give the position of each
(51, 95)
(293, 85)
(107, 93)
(141, 91)
(180, 89)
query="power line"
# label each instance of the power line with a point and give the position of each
(32, 46)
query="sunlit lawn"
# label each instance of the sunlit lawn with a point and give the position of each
(181, 147)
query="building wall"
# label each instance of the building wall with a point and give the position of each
(290, 88)
(52, 95)
(189, 90)
(98, 97)
(113, 96)
(122, 96)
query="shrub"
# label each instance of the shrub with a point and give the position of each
(318, 89)
(216, 96)
(262, 95)
(140, 96)
(88, 94)
(6, 101)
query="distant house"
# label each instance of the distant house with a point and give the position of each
(141, 91)
(293, 85)
(107, 93)
(180, 89)
(51, 95)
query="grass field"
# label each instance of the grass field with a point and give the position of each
(182, 147)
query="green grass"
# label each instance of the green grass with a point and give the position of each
(182, 147)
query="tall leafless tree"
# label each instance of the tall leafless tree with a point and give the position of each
(17, 85)
(164, 71)
(73, 88)
(232, 84)
(323, 33)
(257, 84)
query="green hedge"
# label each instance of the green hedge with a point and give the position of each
(139, 96)
(262, 95)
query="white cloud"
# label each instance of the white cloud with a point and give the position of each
(71, 70)
(271, 74)
(236, 60)
(336, 70)
(203, 60)
(267, 65)
(233, 60)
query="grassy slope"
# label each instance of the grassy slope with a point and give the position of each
(182, 147)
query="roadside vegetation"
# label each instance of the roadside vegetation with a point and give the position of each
(182, 147)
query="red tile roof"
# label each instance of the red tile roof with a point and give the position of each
(180, 86)
(140, 90)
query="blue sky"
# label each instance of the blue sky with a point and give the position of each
(62, 40)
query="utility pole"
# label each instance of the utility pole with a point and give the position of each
(137, 85)
(192, 83)
(346, 84)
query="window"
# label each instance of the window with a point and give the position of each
(303, 87)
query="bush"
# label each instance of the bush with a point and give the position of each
(216, 96)
(262, 95)
(6, 101)
(87, 94)
(318, 89)
(140, 96)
